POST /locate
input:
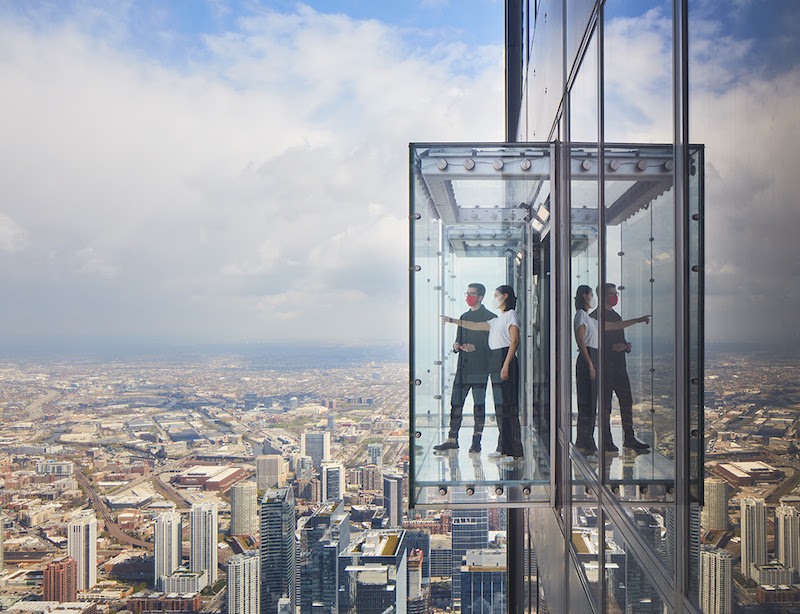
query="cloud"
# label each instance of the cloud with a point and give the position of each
(257, 193)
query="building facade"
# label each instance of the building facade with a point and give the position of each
(716, 581)
(277, 549)
(787, 537)
(753, 515)
(82, 548)
(168, 547)
(244, 508)
(317, 446)
(60, 580)
(332, 478)
(204, 529)
(715, 511)
(243, 593)
(393, 499)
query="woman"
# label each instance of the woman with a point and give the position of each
(585, 373)
(504, 338)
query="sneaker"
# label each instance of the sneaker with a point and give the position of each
(450, 444)
(587, 449)
(474, 448)
(635, 444)
(495, 454)
(508, 460)
(611, 446)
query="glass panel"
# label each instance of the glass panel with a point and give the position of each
(638, 356)
(637, 71)
(639, 350)
(479, 216)
(628, 586)
(583, 98)
(586, 545)
(545, 75)
(584, 277)
(578, 14)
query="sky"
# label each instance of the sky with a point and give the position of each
(206, 171)
(203, 172)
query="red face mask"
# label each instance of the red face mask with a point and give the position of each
(612, 300)
(472, 300)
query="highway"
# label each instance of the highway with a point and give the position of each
(111, 526)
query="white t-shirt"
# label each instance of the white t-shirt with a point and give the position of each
(499, 337)
(590, 335)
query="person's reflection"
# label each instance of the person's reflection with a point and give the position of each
(504, 335)
(472, 347)
(615, 378)
(585, 374)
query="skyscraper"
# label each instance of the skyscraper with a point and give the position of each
(787, 537)
(60, 579)
(323, 537)
(376, 565)
(82, 547)
(715, 512)
(244, 508)
(393, 499)
(483, 581)
(470, 531)
(243, 583)
(332, 481)
(317, 446)
(754, 533)
(716, 581)
(277, 549)
(271, 471)
(375, 454)
(167, 553)
(203, 529)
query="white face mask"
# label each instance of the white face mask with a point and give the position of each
(592, 303)
(496, 302)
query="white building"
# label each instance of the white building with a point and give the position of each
(167, 555)
(715, 512)
(243, 583)
(82, 546)
(244, 508)
(185, 582)
(716, 581)
(272, 470)
(332, 481)
(754, 534)
(787, 537)
(203, 529)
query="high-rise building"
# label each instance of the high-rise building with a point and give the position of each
(787, 537)
(317, 446)
(754, 534)
(244, 508)
(393, 499)
(204, 536)
(304, 467)
(376, 565)
(60, 580)
(331, 423)
(375, 454)
(716, 581)
(418, 597)
(469, 531)
(483, 581)
(82, 547)
(243, 583)
(441, 556)
(277, 549)
(271, 471)
(332, 480)
(323, 536)
(715, 512)
(168, 550)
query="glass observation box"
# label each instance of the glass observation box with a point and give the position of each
(534, 225)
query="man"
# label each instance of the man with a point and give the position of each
(472, 348)
(616, 372)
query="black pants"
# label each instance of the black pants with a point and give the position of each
(616, 382)
(586, 392)
(506, 404)
(460, 391)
